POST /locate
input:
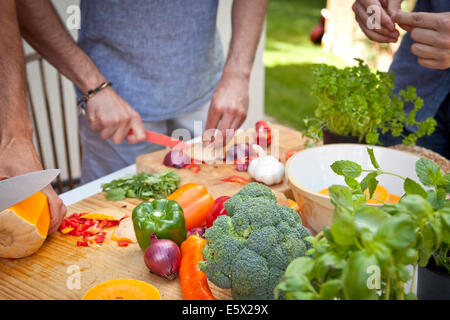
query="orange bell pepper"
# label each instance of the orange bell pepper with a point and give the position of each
(193, 281)
(196, 203)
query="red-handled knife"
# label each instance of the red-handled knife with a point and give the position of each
(163, 140)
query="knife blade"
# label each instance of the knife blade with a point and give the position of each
(18, 188)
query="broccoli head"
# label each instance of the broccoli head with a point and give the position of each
(250, 249)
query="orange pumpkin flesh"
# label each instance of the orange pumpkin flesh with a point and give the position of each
(381, 193)
(24, 227)
(122, 289)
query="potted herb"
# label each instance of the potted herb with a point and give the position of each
(356, 104)
(365, 252)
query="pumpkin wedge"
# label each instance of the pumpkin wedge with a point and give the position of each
(24, 227)
(122, 289)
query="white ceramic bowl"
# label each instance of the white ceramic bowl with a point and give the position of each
(309, 171)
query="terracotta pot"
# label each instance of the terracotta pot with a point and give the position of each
(330, 138)
(432, 284)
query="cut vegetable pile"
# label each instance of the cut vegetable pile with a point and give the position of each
(90, 227)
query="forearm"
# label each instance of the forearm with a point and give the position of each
(247, 22)
(14, 118)
(44, 31)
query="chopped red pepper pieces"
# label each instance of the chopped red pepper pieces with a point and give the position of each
(82, 244)
(122, 243)
(193, 166)
(89, 229)
(237, 179)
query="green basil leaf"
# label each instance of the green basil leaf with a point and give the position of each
(352, 183)
(412, 187)
(302, 265)
(330, 289)
(357, 276)
(347, 168)
(397, 232)
(343, 230)
(341, 197)
(369, 218)
(428, 172)
(372, 186)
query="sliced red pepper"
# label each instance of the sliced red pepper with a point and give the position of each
(237, 179)
(82, 244)
(195, 168)
(122, 243)
(100, 237)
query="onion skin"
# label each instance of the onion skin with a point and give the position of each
(197, 231)
(176, 159)
(163, 257)
(238, 152)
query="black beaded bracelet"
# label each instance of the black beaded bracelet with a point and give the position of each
(84, 99)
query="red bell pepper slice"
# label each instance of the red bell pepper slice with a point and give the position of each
(122, 243)
(237, 179)
(82, 244)
(217, 209)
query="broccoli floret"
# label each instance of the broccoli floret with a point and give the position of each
(250, 249)
(252, 191)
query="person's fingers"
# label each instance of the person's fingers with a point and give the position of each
(427, 36)
(425, 51)
(225, 124)
(362, 18)
(418, 19)
(214, 116)
(375, 36)
(107, 132)
(138, 130)
(393, 7)
(431, 63)
(121, 131)
(57, 209)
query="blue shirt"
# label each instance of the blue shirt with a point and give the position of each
(431, 84)
(163, 57)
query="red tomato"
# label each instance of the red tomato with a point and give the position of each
(217, 209)
(263, 133)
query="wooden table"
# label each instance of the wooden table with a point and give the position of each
(61, 270)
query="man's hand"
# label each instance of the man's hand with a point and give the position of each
(19, 157)
(431, 33)
(113, 117)
(229, 104)
(387, 32)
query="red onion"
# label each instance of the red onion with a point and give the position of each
(197, 231)
(239, 151)
(177, 159)
(242, 166)
(163, 257)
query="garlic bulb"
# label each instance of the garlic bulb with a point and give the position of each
(266, 169)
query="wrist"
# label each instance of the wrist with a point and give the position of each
(236, 73)
(89, 80)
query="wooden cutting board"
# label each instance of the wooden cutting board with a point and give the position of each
(284, 139)
(53, 271)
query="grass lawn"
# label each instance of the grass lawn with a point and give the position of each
(289, 57)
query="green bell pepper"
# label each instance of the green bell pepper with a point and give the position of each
(163, 217)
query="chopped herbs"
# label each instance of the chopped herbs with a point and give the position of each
(142, 185)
